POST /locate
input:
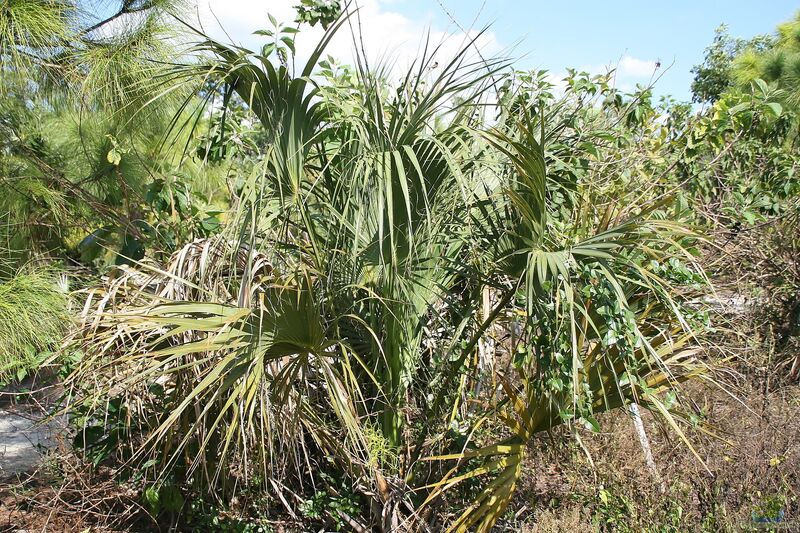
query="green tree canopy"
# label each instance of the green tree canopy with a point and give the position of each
(715, 74)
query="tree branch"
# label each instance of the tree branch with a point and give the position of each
(126, 9)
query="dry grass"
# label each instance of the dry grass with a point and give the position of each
(758, 461)
(65, 494)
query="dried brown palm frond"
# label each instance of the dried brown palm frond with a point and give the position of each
(206, 270)
(220, 389)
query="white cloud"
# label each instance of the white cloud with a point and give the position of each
(387, 35)
(632, 67)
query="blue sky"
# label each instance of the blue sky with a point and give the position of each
(553, 35)
(590, 34)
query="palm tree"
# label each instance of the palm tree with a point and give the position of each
(335, 324)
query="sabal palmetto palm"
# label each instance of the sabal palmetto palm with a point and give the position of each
(385, 223)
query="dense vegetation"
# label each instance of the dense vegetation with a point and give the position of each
(314, 297)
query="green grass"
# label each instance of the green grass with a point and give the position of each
(33, 316)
